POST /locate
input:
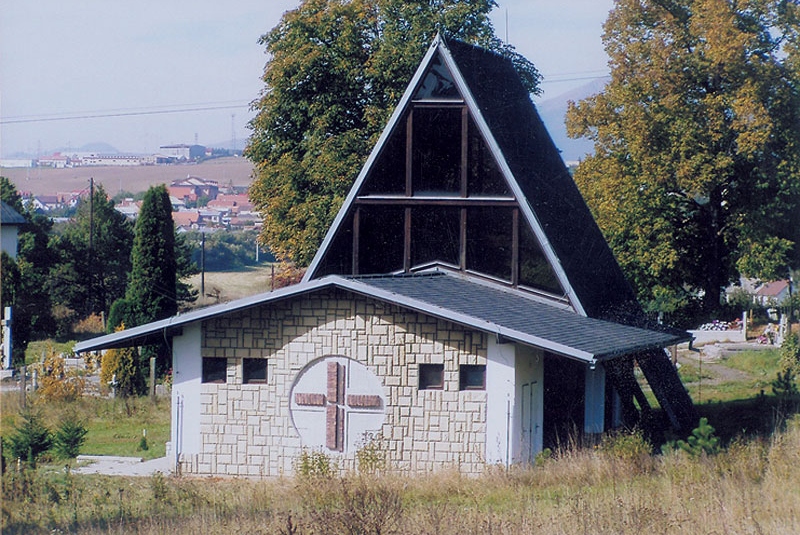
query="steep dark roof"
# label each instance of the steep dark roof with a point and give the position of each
(9, 216)
(543, 177)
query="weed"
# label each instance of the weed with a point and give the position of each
(371, 456)
(314, 464)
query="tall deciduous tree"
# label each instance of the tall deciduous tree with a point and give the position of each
(336, 70)
(696, 171)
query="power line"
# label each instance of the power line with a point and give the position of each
(112, 113)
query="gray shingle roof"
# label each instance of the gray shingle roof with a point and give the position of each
(514, 315)
(9, 216)
(509, 314)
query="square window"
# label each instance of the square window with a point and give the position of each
(215, 370)
(254, 371)
(431, 376)
(472, 377)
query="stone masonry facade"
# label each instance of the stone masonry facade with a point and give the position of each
(247, 429)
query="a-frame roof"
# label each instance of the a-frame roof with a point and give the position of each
(549, 203)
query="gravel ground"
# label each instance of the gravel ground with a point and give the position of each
(121, 466)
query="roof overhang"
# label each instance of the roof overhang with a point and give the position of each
(505, 313)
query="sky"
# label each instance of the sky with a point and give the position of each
(145, 73)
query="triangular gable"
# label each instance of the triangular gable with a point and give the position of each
(437, 190)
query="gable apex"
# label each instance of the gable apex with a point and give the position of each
(466, 137)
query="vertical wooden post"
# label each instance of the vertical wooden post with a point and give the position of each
(23, 387)
(152, 378)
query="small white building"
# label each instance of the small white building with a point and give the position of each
(463, 311)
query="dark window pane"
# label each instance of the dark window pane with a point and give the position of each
(436, 151)
(431, 376)
(534, 269)
(254, 370)
(437, 83)
(338, 259)
(434, 235)
(483, 176)
(388, 173)
(215, 370)
(381, 239)
(489, 241)
(472, 377)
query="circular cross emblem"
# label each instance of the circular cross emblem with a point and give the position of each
(336, 403)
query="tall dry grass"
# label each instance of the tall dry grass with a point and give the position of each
(751, 487)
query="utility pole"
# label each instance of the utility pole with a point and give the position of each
(91, 243)
(202, 265)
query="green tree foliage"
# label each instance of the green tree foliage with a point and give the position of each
(225, 250)
(152, 287)
(31, 439)
(337, 69)
(92, 272)
(702, 440)
(25, 281)
(69, 437)
(696, 171)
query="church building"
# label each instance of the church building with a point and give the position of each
(463, 310)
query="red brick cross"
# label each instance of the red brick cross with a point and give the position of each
(335, 404)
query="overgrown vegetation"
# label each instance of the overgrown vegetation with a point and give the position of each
(750, 487)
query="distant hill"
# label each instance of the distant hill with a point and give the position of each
(554, 110)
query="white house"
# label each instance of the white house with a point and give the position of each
(462, 311)
(10, 221)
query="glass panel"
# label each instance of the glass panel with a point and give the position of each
(388, 173)
(254, 370)
(381, 239)
(483, 176)
(215, 370)
(435, 235)
(437, 83)
(431, 376)
(472, 377)
(489, 241)
(534, 269)
(436, 151)
(338, 259)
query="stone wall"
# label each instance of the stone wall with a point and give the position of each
(247, 429)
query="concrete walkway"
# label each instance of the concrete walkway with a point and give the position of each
(121, 466)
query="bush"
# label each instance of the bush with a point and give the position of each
(702, 440)
(30, 440)
(69, 437)
(55, 383)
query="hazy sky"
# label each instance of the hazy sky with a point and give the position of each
(116, 71)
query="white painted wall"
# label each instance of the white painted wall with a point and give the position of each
(500, 402)
(529, 414)
(8, 240)
(187, 368)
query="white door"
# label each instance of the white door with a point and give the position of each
(530, 427)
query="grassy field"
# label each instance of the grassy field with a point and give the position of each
(223, 286)
(44, 181)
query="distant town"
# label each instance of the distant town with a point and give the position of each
(198, 202)
(167, 154)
